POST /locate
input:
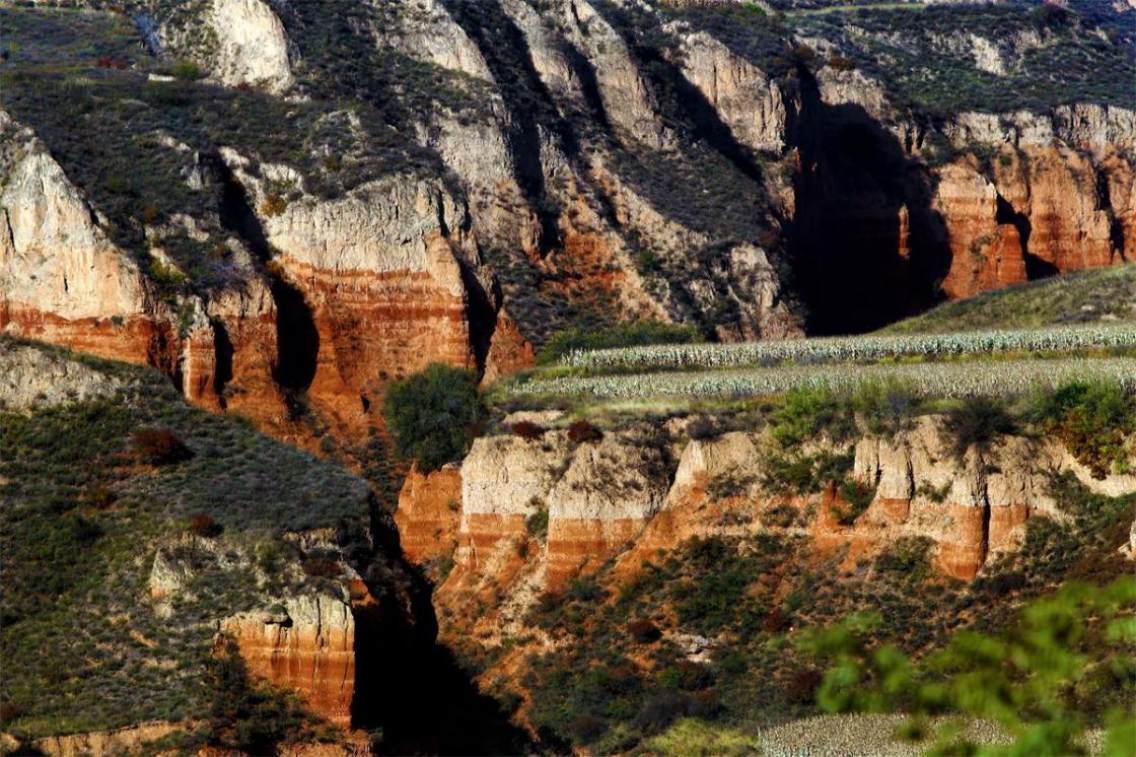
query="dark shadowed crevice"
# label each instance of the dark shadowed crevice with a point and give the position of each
(1005, 213)
(297, 338)
(845, 239)
(589, 85)
(406, 684)
(1104, 202)
(675, 92)
(1036, 268)
(222, 360)
(505, 51)
(480, 314)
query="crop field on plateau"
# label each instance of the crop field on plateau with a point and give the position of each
(992, 378)
(857, 348)
(950, 365)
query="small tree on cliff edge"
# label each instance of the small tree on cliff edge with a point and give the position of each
(434, 415)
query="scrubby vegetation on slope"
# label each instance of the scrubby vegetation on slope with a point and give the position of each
(622, 669)
(86, 503)
(1050, 55)
(1106, 295)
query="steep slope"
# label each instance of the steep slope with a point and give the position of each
(611, 582)
(162, 565)
(284, 206)
(1104, 296)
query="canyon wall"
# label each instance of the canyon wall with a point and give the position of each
(535, 513)
(559, 170)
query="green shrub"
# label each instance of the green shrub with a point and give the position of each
(434, 415)
(796, 473)
(807, 412)
(1095, 421)
(186, 70)
(1025, 679)
(858, 496)
(537, 523)
(885, 407)
(977, 422)
(621, 335)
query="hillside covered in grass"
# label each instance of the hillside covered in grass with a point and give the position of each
(99, 491)
(1104, 296)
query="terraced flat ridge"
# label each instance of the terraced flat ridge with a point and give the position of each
(1100, 296)
(858, 348)
(958, 379)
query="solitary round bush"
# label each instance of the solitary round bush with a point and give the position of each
(528, 430)
(434, 415)
(160, 446)
(581, 432)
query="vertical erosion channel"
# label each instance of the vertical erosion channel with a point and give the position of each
(297, 339)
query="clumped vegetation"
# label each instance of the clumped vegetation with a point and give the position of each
(1043, 679)
(996, 378)
(977, 422)
(568, 342)
(859, 349)
(1049, 56)
(1096, 422)
(434, 415)
(80, 645)
(710, 638)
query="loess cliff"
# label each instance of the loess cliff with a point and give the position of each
(364, 192)
(573, 571)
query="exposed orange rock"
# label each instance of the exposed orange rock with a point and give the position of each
(1003, 521)
(985, 254)
(133, 339)
(963, 552)
(429, 512)
(509, 351)
(1121, 196)
(1068, 228)
(577, 546)
(894, 509)
(374, 327)
(308, 648)
(1047, 204)
(480, 534)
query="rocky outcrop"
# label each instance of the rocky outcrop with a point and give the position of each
(505, 481)
(429, 512)
(609, 492)
(378, 277)
(252, 45)
(617, 499)
(743, 95)
(307, 644)
(31, 376)
(135, 739)
(984, 253)
(61, 279)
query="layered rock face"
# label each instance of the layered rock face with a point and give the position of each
(1055, 198)
(618, 499)
(560, 167)
(602, 502)
(352, 294)
(429, 510)
(61, 279)
(383, 287)
(308, 647)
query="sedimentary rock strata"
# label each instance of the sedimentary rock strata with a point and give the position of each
(307, 645)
